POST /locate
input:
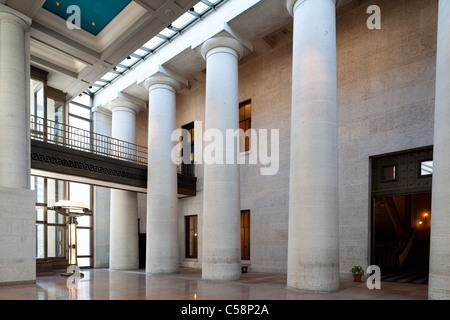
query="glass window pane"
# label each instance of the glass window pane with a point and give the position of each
(389, 173)
(129, 62)
(39, 213)
(80, 192)
(168, 33)
(37, 184)
(84, 99)
(84, 262)
(80, 123)
(55, 242)
(109, 76)
(79, 111)
(426, 168)
(183, 21)
(153, 43)
(201, 7)
(40, 241)
(84, 221)
(83, 242)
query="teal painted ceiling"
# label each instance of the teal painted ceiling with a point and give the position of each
(95, 15)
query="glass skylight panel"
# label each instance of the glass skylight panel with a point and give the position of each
(109, 76)
(183, 21)
(129, 62)
(167, 33)
(201, 8)
(141, 52)
(120, 69)
(153, 43)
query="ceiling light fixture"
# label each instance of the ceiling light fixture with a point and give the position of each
(58, 3)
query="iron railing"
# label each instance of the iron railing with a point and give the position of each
(75, 138)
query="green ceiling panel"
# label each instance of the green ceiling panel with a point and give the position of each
(99, 12)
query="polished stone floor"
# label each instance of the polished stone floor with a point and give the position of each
(105, 284)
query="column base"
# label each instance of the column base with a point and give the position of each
(17, 235)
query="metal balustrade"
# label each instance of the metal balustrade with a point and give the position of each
(75, 138)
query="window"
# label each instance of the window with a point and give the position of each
(51, 231)
(50, 226)
(189, 168)
(426, 168)
(389, 173)
(80, 122)
(245, 123)
(82, 193)
(191, 235)
(245, 235)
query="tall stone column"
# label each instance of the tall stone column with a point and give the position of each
(14, 98)
(102, 121)
(221, 193)
(313, 244)
(162, 195)
(18, 213)
(124, 238)
(439, 274)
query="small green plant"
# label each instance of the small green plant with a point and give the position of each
(357, 270)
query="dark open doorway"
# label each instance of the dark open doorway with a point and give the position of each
(401, 215)
(401, 241)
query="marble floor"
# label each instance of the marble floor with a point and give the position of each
(105, 284)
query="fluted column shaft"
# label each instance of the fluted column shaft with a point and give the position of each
(313, 242)
(439, 274)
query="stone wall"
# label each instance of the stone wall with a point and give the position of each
(386, 88)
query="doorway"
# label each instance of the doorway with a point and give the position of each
(401, 241)
(401, 215)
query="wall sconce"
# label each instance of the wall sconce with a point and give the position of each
(425, 219)
(71, 210)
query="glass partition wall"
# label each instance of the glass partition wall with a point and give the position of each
(49, 106)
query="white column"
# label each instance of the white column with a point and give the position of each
(439, 274)
(313, 244)
(101, 119)
(162, 222)
(221, 194)
(14, 99)
(18, 213)
(124, 238)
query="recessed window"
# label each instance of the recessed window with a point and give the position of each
(245, 234)
(245, 123)
(191, 237)
(426, 168)
(389, 173)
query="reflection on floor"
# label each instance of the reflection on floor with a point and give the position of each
(105, 284)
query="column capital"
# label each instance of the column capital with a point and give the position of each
(291, 5)
(7, 13)
(161, 78)
(121, 104)
(222, 42)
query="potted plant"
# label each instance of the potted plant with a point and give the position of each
(357, 272)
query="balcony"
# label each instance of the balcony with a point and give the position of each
(71, 152)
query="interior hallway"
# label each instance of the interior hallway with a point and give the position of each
(105, 284)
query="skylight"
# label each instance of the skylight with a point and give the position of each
(196, 13)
